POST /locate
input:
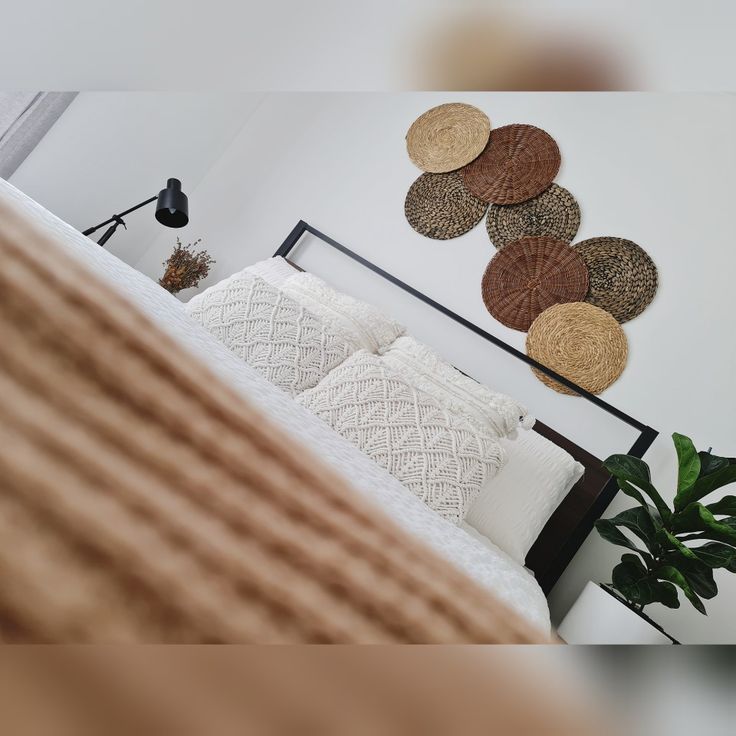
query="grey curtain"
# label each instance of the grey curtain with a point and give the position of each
(25, 117)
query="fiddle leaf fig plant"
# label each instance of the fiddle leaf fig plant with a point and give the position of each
(672, 549)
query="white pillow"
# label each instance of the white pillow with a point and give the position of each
(368, 326)
(513, 507)
(491, 411)
(274, 334)
(274, 270)
(438, 455)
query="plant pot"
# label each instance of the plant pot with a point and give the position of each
(599, 616)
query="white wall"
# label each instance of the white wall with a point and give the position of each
(109, 151)
(658, 169)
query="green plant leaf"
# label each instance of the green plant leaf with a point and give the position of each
(688, 461)
(632, 473)
(669, 540)
(639, 521)
(715, 554)
(611, 533)
(638, 586)
(705, 485)
(697, 518)
(628, 467)
(710, 463)
(673, 575)
(700, 578)
(698, 574)
(725, 507)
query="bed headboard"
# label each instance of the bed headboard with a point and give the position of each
(574, 518)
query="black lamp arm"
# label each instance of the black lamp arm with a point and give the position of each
(117, 218)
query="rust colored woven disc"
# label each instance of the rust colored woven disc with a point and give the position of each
(447, 137)
(519, 162)
(554, 214)
(581, 342)
(530, 275)
(439, 206)
(623, 278)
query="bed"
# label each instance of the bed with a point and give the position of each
(574, 518)
(511, 582)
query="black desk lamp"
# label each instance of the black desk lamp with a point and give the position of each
(172, 210)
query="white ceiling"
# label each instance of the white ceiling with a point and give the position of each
(111, 150)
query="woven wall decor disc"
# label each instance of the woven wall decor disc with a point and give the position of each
(581, 342)
(530, 275)
(439, 206)
(623, 278)
(554, 213)
(447, 137)
(519, 162)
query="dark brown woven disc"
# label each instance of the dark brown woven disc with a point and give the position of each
(623, 278)
(439, 206)
(519, 162)
(554, 214)
(530, 275)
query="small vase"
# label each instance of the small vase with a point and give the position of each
(600, 617)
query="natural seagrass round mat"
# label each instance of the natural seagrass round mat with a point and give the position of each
(439, 206)
(554, 213)
(447, 137)
(529, 275)
(519, 162)
(581, 342)
(623, 278)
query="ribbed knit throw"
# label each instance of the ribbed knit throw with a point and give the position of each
(141, 499)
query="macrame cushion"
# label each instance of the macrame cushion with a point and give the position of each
(439, 206)
(490, 411)
(447, 137)
(623, 278)
(530, 275)
(275, 270)
(554, 214)
(519, 162)
(581, 342)
(366, 326)
(439, 456)
(285, 342)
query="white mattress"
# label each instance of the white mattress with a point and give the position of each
(479, 559)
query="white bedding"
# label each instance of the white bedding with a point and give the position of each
(482, 561)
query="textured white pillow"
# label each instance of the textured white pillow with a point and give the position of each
(367, 325)
(436, 454)
(513, 507)
(274, 270)
(286, 343)
(491, 411)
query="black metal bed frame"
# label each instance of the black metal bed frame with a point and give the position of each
(646, 437)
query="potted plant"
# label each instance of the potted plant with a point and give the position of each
(671, 550)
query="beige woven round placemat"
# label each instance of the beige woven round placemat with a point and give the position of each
(529, 275)
(447, 137)
(519, 162)
(581, 342)
(623, 278)
(440, 207)
(554, 213)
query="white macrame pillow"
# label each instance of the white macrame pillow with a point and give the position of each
(436, 454)
(491, 411)
(513, 507)
(367, 325)
(274, 270)
(286, 343)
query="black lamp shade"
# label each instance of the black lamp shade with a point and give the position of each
(172, 208)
